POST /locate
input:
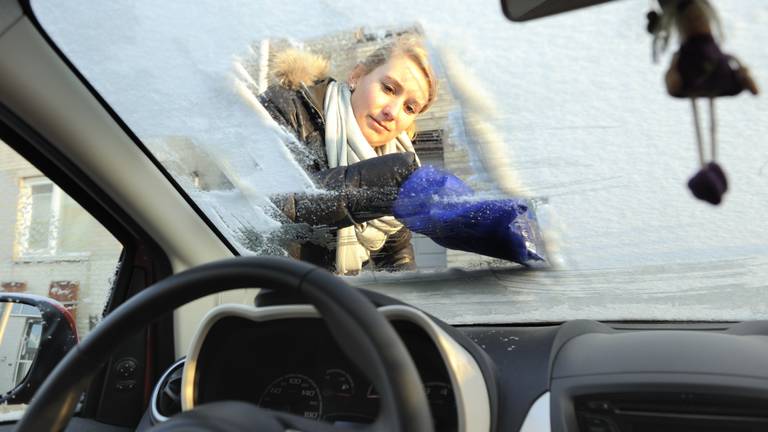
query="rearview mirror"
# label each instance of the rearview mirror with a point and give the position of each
(35, 334)
(524, 10)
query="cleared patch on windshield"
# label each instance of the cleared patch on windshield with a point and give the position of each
(454, 208)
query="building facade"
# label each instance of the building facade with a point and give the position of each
(51, 246)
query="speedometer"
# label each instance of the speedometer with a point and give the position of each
(295, 394)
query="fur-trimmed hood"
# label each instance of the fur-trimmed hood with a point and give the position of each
(293, 67)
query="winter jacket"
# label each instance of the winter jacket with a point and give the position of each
(358, 192)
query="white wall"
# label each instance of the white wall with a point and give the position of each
(93, 270)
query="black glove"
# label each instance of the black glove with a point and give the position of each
(356, 193)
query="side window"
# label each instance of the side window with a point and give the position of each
(49, 246)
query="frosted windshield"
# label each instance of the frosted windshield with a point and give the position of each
(568, 112)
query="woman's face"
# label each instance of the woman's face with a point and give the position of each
(387, 100)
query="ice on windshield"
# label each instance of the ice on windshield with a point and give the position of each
(569, 112)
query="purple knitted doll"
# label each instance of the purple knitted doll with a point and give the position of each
(700, 69)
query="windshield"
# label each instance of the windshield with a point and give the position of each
(551, 167)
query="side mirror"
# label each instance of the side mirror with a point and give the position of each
(36, 332)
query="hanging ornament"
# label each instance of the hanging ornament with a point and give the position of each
(699, 69)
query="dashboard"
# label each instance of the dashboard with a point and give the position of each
(284, 358)
(580, 375)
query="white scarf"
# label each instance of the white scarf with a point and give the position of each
(344, 145)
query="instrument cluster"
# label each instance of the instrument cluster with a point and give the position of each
(295, 366)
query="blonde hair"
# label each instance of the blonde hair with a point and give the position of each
(412, 47)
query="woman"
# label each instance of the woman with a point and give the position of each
(354, 139)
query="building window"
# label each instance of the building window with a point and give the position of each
(21, 309)
(429, 143)
(50, 223)
(429, 146)
(37, 213)
(28, 349)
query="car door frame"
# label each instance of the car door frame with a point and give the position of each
(142, 262)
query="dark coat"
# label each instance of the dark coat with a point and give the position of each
(361, 191)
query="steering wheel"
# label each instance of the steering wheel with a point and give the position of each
(364, 335)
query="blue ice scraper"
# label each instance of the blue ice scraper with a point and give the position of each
(441, 206)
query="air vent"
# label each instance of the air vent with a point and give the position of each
(671, 411)
(166, 397)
